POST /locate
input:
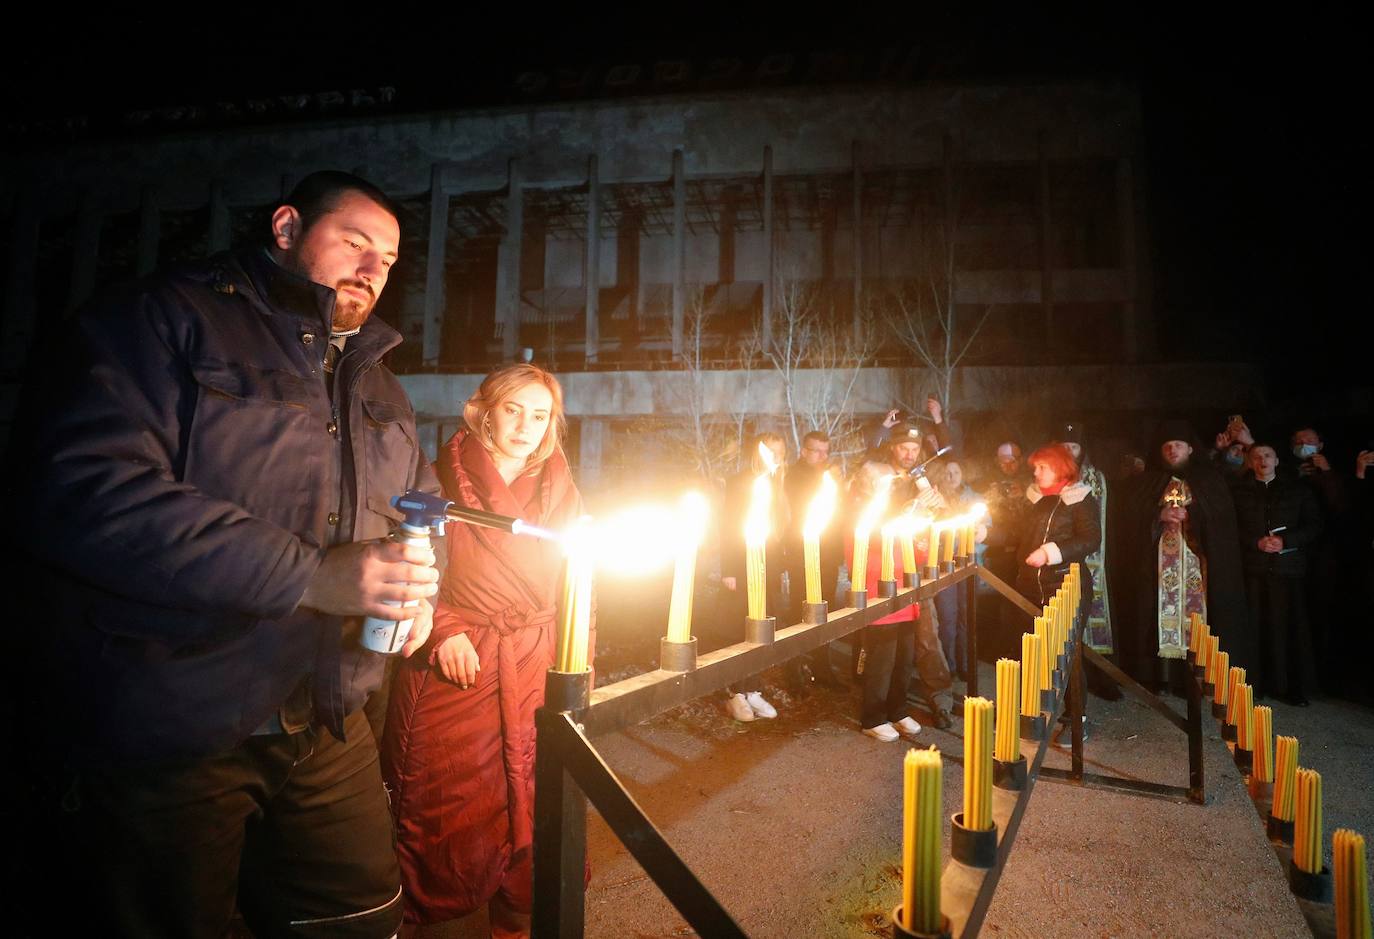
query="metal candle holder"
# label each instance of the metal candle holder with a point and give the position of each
(1228, 733)
(677, 656)
(567, 691)
(858, 599)
(901, 932)
(815, 613)
(1308, 886)
(1219, 711)
(760, 630)
(1032, 728)
(932, 571)
(887, 588)
(973, 848)
(1009, 775)
(1048, 699)
(946, 567)
(1245, 760)
(911, 579)
(1279, 830)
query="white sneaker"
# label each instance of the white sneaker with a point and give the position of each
(760, 707)
(739, 708)
(907, 727)
(884, 732)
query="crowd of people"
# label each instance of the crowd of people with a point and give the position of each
(212, 459)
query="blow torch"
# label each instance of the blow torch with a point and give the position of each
(422, 514)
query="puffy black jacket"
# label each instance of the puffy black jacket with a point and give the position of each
(189, 472)
(1068, 527)
(1286, 503)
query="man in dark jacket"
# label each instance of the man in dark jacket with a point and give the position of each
(1174, 552)
(1279, 523)
(211, 470)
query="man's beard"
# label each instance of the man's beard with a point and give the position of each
(350, 313)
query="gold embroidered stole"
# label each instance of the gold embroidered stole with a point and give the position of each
(1182, 578)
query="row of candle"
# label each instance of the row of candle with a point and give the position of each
(1297, 791)
(978, 764)
(922, 808)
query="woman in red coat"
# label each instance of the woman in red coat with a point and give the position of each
(458, 752)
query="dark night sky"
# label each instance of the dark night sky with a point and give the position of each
(1256, 154)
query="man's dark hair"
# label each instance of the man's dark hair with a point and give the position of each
(819, 436)
(319, 193)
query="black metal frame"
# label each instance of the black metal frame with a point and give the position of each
(569, 772)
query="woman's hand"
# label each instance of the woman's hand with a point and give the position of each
(458, 660)
(1038, 557)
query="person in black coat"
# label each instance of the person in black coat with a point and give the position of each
(1207, 524)
(1278, 522)
(1062, 526)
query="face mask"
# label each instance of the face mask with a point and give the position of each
(1235, 459)
(1305, 451)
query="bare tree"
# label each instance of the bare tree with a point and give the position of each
(819, 362)
(712, 441)
(926, 316)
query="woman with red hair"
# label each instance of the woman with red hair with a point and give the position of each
(1062, 525)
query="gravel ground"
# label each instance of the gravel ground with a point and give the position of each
(795, 825)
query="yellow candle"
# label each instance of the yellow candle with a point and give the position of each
(1285, 769)
(933, 552)
(1352, 885)
(1307, 824)
(922, 840)
(755, 547)
(1235, 680)
(1245, 717)
(818, 515)
(1222, 683)
(1045, 653)
(887, 563)
(1213, 651)
(1204, 645)
(910, 526)
(1263, 743)
(863, 531)
(692, 511)
(977, 764)
(1008, 710)
(947, 543)
(575, 624)
(1030, 675)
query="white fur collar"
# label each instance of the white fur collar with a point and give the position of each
(1071, 494)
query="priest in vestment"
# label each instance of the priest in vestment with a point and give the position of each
(1175, 552)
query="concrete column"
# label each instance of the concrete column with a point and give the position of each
(679, 252)
(592, 275)
(856, 310)
(1046, 248)
(591, 444)
(432, 327)
(1137, 342)
(217, 239)
(20, 304)
(85, 250)
(769, 249)
(511, 246)
(149, 230)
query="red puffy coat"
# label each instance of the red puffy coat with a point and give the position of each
(460, 763)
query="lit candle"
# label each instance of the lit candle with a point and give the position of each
(922, 840)
(756, 547)
(818, 515)
(933, 552)
(887, 566)
(910, 526)
(1008, 710)
(1285, 770)
(947, 543)
(1352, 885)
(1244, 705)
(1262, 740)
(1222, 684)
(1307, 824)
(1030, 675)
(863, 531)
(691, 524)
(575, 625)
(977, 764)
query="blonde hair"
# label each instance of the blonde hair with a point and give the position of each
(498, 388)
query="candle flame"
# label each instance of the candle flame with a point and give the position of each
(770, 462)
(822, 508)
(978, 512)
(636, 540)
(756, 522)
(874, 510)
(692, 513)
